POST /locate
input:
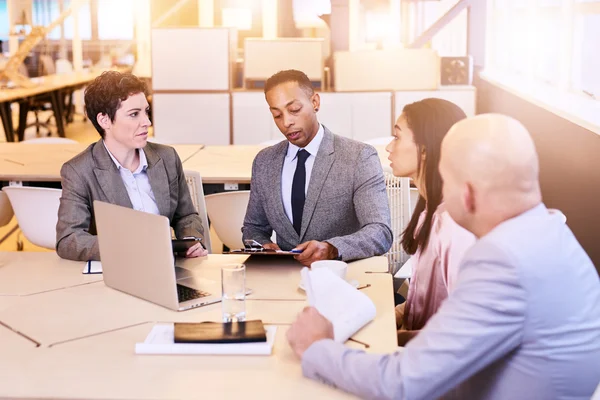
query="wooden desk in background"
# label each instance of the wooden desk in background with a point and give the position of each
(56, 87)
(87, 335)
(42, 162)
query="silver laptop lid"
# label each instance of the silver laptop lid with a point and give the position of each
(136, 253)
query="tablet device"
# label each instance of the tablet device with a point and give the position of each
(182, 245)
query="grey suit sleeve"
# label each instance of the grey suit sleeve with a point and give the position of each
(73, 240)
(185, 221)
(479, 323)
(372, 210)
(256, 224)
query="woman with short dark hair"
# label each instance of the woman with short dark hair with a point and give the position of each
(121, 168)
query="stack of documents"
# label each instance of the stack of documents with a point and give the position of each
(161, 340)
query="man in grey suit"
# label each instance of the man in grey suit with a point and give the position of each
(523, 321)
(322, 194)
(123, 169)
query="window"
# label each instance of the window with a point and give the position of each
(306, 12)
(115, 20)
(43, 13)
(548, 51)
(549, 41)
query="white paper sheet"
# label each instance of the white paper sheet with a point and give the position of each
(160, 340)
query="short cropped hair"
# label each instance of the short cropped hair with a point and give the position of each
(105, 94)
(290, 75)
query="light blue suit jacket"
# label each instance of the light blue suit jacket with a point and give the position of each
(523, 322)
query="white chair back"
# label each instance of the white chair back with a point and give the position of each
(398, 192)
(6, 211)
(36, 210)
(226, 212)
(194, 182)
(49, 140)
(63, 66)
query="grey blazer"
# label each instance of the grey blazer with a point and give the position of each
(346, 203)
(92, 175)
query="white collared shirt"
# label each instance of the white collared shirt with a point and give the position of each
(289, 168)
(137, 184)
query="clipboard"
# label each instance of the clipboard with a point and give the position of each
(255, 248)
(264, 252)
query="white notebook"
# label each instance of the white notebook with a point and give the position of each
(92, 267)
(160, 340)
(348, 309)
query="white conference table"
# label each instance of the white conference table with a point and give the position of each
(87, 334)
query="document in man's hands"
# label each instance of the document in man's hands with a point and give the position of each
(348, 309)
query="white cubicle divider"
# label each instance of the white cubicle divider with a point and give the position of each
(360, 116)
(252, 120)
(371, 115)
(463, 96)
(190, 118)
(192, 58)
(264, 57)
(388, 69)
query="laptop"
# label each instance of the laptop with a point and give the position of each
(137, 258)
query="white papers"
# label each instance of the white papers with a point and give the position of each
(405, 271)
(160, 340)
(348, 309)
(92, 267)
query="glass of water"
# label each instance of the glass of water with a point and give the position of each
(233, 285)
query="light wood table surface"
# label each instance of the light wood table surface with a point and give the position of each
(224, 164)
(27, 273)
(88, 334)
(42, 162)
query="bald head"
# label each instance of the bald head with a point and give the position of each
(495, 158)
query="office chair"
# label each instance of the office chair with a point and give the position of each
(194, 182)
(226, 212)
(36, 209)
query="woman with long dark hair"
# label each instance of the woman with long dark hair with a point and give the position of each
(434, 240)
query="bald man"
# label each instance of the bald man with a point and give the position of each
(523, 321)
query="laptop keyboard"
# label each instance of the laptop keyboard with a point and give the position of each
(185, 293)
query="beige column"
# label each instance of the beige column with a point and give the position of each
(206, 13)
(353, 24)
(269, 19)
(395, 38)
(142, 34)
(77, 45)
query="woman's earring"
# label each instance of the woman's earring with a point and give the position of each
(316, 109)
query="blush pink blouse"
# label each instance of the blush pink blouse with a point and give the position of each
(435, 269)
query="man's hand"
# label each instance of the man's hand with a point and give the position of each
(196, 250)
(271, 246)
(310, 327)
(314, 251)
